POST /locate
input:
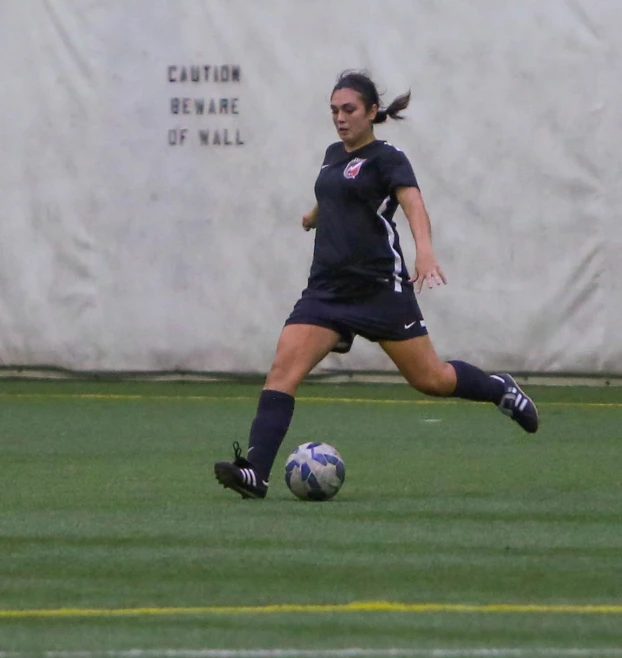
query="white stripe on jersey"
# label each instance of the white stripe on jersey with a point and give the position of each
(397, 269)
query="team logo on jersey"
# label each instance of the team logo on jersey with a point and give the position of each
(353, 167)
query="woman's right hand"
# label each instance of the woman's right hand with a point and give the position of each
(309, 219)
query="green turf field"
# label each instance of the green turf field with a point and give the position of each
(455, 534)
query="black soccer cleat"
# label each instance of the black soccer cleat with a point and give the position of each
(241, 476)
(517, 405)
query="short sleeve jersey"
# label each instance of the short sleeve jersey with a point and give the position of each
(357, 249)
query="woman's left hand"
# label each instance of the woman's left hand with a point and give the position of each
(427, 270)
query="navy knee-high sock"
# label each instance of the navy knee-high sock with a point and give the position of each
(474, 384)
(274, 414)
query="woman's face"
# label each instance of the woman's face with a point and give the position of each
(352, 121)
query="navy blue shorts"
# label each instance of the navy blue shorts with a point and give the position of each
(387, 315)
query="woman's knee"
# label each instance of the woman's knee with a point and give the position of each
(299, 350)
(439, 381)
(284, 376)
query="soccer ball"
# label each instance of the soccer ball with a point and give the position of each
(314, 471)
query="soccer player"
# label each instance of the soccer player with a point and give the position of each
(359, 285)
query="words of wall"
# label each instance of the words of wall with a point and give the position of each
(205, 119)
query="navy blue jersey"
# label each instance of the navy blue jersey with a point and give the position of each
(357, 250)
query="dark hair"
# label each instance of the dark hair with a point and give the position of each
(360, 82)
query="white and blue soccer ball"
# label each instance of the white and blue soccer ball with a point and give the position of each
(315, 471)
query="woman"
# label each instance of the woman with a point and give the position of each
(359, 285)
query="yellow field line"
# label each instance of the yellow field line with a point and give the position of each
(361, 606)
(234, 398)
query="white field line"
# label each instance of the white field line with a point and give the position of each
(354, 606)
(302, 399)
(525, 652)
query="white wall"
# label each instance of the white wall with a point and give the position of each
(119, 251)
